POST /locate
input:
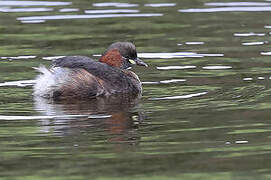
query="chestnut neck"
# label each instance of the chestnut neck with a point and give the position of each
(112, 58)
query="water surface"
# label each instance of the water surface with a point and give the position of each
(204, 113)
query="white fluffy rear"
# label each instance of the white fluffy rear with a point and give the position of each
(50, 80)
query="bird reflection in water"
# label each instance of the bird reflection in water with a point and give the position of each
(115, 118)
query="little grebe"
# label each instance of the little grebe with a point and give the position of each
(81, 77)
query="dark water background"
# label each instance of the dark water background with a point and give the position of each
(205, 110)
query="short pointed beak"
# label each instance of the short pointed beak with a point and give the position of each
(140, 62)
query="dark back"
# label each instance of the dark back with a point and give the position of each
(114, 79)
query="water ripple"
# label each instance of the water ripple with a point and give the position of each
(160, 5)
(172, 81)
(237, 4)
(22, 83)
(68, 10)
(150, 82)
(227, 9)
(241, 142)
(62, 17)
(114, 4)
(165, 81)
(194, 43)
(247, 79)
(252, 43)
(52, 58)
(18, 57)
(111, 11)
(33, 3)
(212, 55)
(248, 34)
(216, 67)
(250, 78)
(266, 53)
(40, 117)
(180, 97)
(177, 55)
(99, 116)
(9, 10)
(169, 55)
(175, 67)
(33, 22)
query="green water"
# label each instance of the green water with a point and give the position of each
(202, 116)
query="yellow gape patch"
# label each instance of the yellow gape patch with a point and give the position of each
(132, 61)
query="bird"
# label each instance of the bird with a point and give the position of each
(80, 77)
